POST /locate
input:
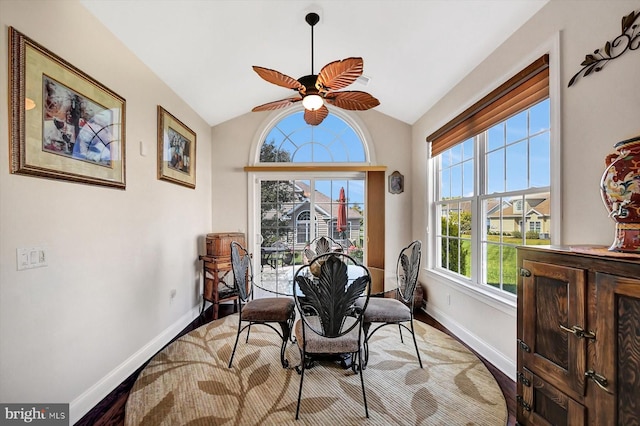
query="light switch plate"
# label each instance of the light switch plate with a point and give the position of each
(32, 257)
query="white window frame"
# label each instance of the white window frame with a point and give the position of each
(498, 298)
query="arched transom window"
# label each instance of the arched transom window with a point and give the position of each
(291, 140)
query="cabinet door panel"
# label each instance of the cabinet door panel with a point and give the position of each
(555, 297)
(546, 405)
(618, 349)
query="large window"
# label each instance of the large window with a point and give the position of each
(493, 184)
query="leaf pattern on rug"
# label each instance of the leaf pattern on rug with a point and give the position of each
(468, 387)
(259, 376)
(404, 355)
(424, 404)
(417, 376)
(387, 365)
(158, 413)
(214, 387)
(189, 383)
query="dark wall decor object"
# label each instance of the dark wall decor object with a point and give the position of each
(176, 150)
(63, 124)
(396, 183)
(628, 40)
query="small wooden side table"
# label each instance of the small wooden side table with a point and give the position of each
(218, 283)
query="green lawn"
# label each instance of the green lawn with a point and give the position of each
(510, 272)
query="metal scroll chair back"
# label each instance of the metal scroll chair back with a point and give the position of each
(399, 310)
(408, 268)
(242, 271)
(264, 311)
(331, 302)
(321, 245)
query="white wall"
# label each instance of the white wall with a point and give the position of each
(235, 140)
(596, 112)
(72, 331)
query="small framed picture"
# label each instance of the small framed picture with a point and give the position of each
(396, 183)
(64, 124)
(176, 150)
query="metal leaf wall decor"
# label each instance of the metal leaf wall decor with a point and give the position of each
(628, 40)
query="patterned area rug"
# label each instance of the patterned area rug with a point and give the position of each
(188, 383)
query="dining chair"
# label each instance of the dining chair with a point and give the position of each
(321, 245)
(399, 309)
(330, 319)
(263, 311)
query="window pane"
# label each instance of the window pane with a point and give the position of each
(467, 179)
(494, 256)
(456, 154)
(467, 149)
(495, 137)
(538, 219)
(445, 159)
(539, 160)
(492, 214)
(517, 127)
(293, 140)
(495, 172)
(517, 166)
(509, 268)
(539, 117)
(456, 181)
(445, 184)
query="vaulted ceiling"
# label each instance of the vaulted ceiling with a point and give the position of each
(414, 51)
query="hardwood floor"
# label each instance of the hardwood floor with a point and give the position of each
(110, 411)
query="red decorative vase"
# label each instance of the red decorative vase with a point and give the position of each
(620, 187)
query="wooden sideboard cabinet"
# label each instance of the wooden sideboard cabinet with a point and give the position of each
(578, 336)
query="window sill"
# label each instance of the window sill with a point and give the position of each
(504, 304)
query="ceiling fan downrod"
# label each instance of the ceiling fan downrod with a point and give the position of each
(312, 19)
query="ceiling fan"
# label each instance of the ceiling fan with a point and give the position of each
(317, 89)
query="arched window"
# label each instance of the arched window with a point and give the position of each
(291, 140)
(303, 227)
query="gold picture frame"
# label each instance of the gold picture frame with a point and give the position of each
(176, 150)
(64, 124)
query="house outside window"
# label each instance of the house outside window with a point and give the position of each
(303, 227)
(492, 193)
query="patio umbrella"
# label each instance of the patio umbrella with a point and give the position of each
(341, 221)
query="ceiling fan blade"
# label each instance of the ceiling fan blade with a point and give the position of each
(279, 79)
(314, 118)
(352, 100)
(339, 74)
(282, 103)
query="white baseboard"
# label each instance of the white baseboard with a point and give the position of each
(488, 352)
(92, 396)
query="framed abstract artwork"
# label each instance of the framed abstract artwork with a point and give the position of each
(63, 124)
(176, 150)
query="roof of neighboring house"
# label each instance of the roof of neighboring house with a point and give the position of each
(322, 201)
(326, 201)
(541, 206)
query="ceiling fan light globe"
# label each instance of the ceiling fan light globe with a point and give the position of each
(312, 102)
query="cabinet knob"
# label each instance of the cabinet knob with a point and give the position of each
(525, 272)
(524, 346)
